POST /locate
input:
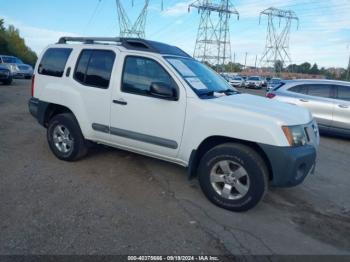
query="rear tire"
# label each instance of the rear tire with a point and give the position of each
(65, 138)
(233, 176)
(7, 82)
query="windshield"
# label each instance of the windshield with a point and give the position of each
(237, 78)
(201, 78)
(9, 60)
(254, 78)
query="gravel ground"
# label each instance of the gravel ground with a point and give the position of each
(116, 202)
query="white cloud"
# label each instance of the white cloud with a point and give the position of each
(35, 37)
(178, 9)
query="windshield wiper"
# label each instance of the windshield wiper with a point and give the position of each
(205, 93)
(228, 92)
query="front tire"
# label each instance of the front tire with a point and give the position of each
(233, 176)
(65, 138)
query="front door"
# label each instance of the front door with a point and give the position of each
(141, 121)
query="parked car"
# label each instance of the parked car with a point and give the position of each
(154, 99)
(329, 101)
(254, 82)
(5, 75)
(237, 81)
(274, 82)
(17, 67)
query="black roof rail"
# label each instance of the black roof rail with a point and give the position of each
(88, 40)
(129, 43)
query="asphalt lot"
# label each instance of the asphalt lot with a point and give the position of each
(116, 202)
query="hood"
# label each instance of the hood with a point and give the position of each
(283, 113)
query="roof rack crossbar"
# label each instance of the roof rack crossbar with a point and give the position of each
(65, 39)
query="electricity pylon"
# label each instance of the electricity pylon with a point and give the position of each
(213, 39)
(276, 53)
(136, 29)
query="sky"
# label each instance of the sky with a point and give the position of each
(323, 36)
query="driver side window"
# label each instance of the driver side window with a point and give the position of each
(140, 72)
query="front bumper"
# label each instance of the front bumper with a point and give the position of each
(5, 75)
(290, 165)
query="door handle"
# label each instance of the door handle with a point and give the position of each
(304, 100)
(120, 102)
(343, 106)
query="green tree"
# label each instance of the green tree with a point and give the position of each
(314, 70)
(11, 43)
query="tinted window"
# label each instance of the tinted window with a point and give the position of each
(319, 90)
(94, 68)
(302, 89)
(9, 60)
(81, 67)
(344, 93)
(54, 61)
(139, 73)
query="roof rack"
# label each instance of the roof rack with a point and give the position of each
(128, 43)
(88, 40)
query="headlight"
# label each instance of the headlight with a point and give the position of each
(295, 135)
(13, 68)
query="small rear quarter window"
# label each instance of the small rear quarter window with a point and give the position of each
(54, 62)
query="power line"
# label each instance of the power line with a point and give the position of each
(277, 40)
(93, 14)
(137, 28)
(213, 39)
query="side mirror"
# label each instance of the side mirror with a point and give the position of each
(163, 91)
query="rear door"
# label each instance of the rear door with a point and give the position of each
(341, 116)
(91, 78)
(318, 99)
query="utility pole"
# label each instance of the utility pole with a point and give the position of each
(256, 60)
(136, 29)
(245, 61)
(213, 38)
(277, 40)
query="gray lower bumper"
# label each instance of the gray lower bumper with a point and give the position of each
(33, 106)
(290, 165)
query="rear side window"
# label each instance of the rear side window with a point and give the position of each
(301, 89)
(54, 62)
(344, 93)
(320, 90)
(94, 68)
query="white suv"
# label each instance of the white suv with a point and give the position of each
(154, 99)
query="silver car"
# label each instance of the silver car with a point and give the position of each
(17, 67)
(328, 101)
(236, 81)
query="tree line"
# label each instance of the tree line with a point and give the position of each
(304, 68)
(11, 43)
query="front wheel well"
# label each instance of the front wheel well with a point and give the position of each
(214, 141)
(53, 110)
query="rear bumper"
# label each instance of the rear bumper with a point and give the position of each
(290, 165)
(33, 106)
